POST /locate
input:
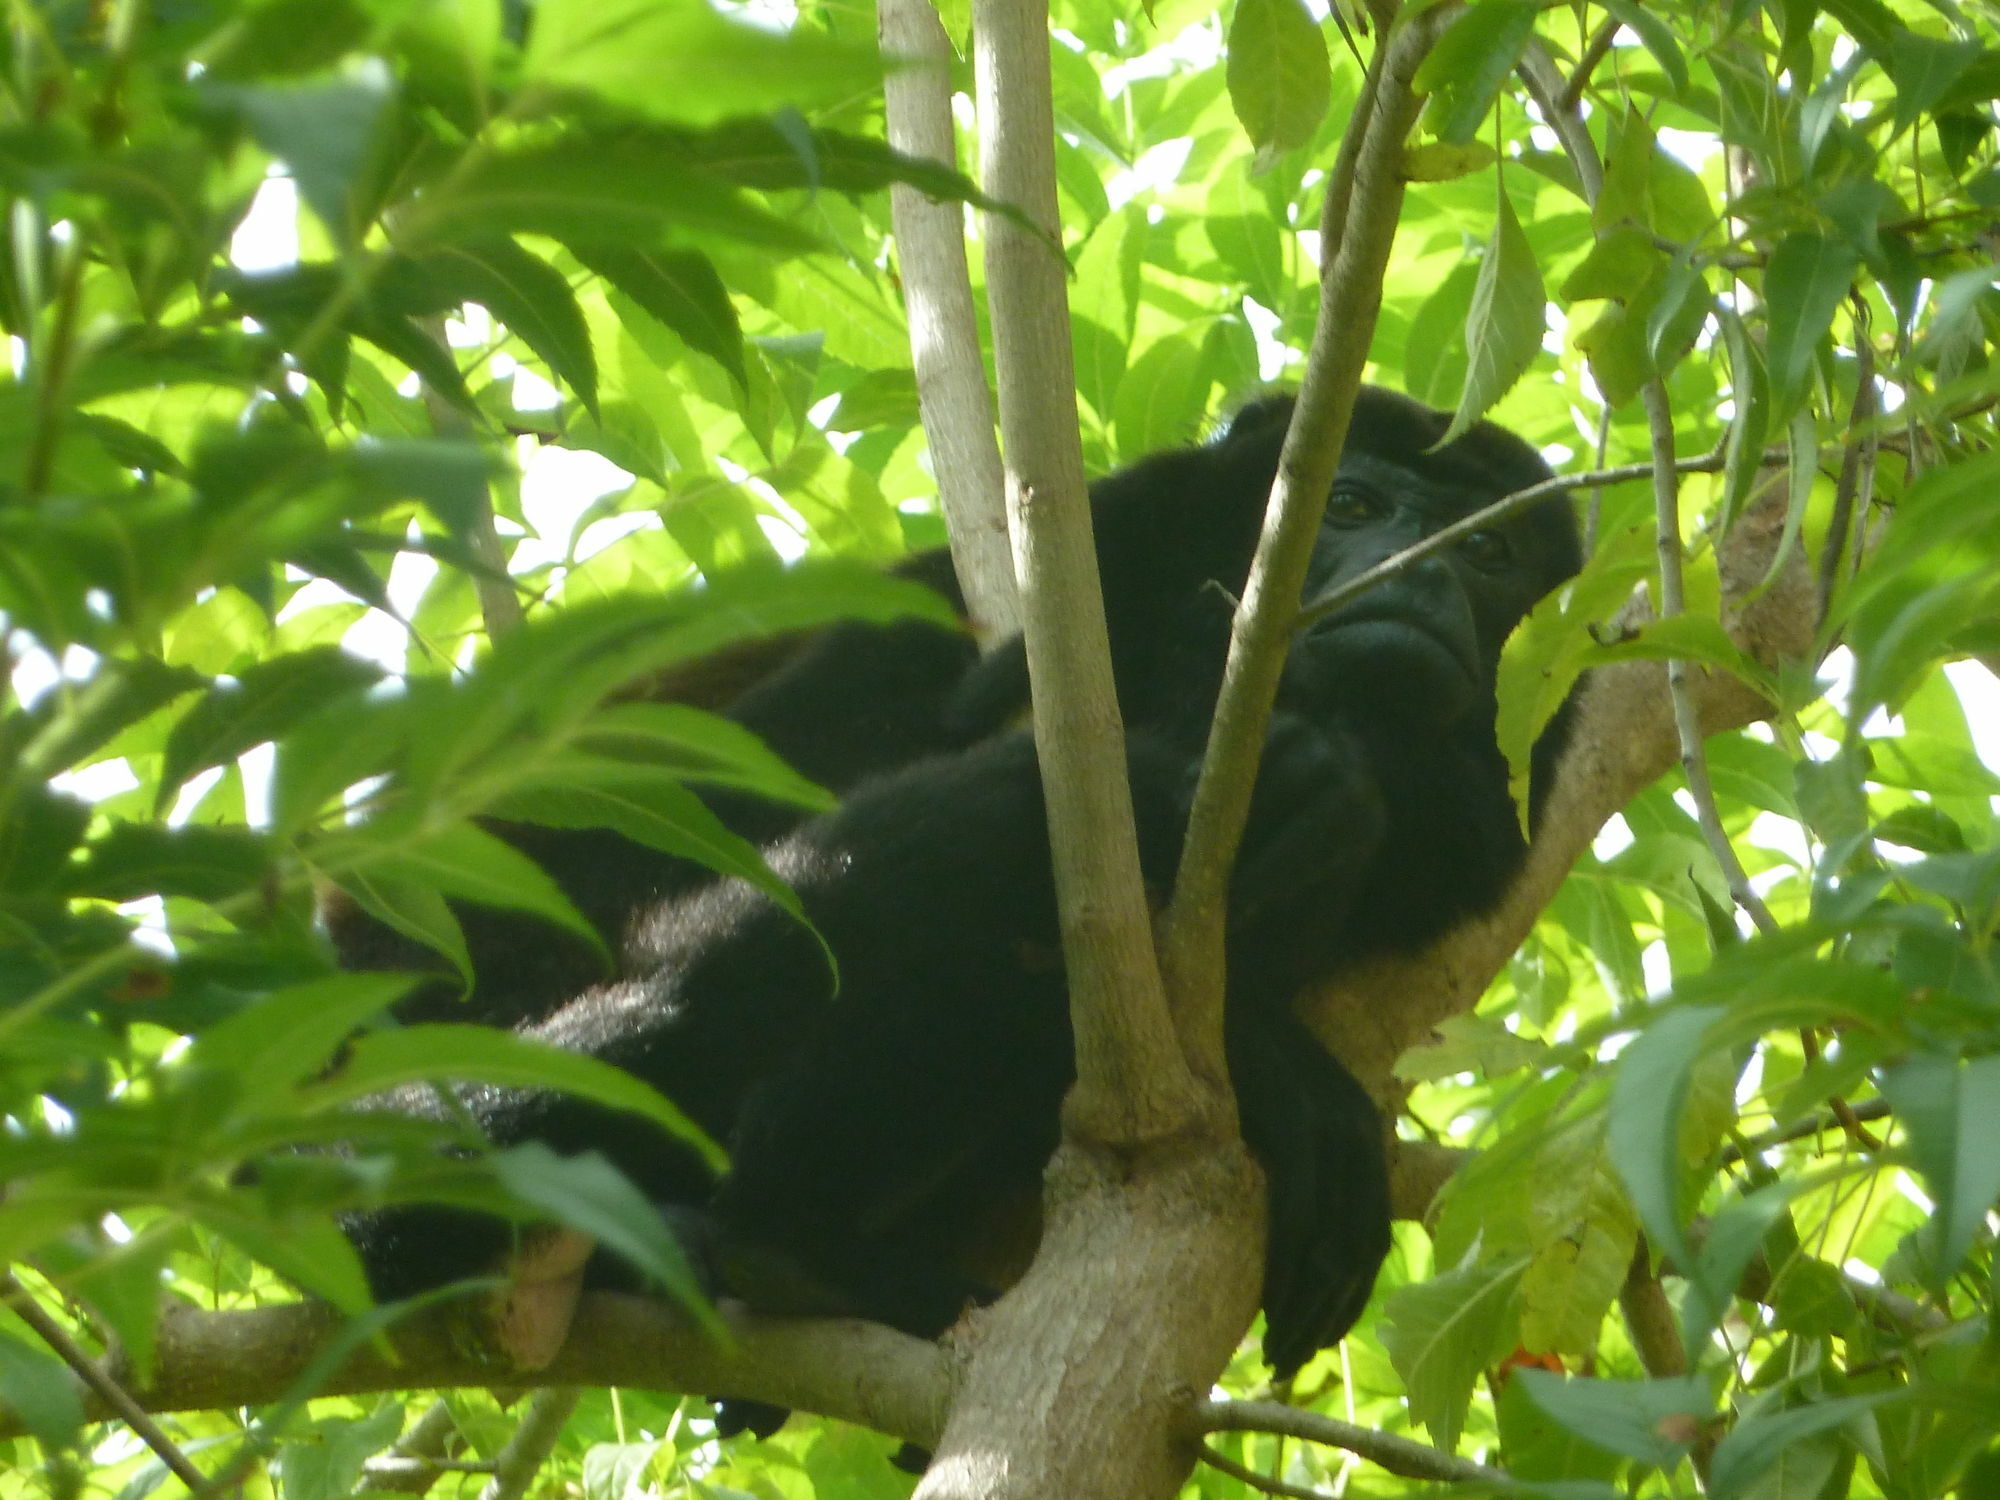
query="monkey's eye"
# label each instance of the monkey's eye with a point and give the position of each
(1351, 506)
(1487, 549)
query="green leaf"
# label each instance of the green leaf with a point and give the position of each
(306, 1248)
(132, 860)
(1644, 1132)
(531, 297)
(1587, 1233)
(648, 806)
(71, 724)
(681, 289)
(1807, 278)
(37, 1388)
(1653, 1421)
(323, 1459)
(1750, 1448)
(1278, 74)
(1537, 1447)
(447, 474)
(1161, 398)
(384, 1060)
(1657, 37)
(1622, 258)
(698, 746)
(1441, 1335)
(1687, 637)
(1952, 1112)
(589, 1194)
(690, 62)
(323, 129)
(289, 1035)
(413, 908)
(1734, 1236)
(464, 862)
(1465, 70)
(1434, 354)
(1503, 327)
(1924, 69)
(586, 190)
(548, 675)
(232, 717)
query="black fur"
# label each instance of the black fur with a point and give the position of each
(875, 1132)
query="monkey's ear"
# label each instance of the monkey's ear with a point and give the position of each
(1266, 416)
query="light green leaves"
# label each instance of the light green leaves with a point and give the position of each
(1504, 325)
(1441, 1335)
(1952, 1109)
(1808, 276)
(689, 62)
(1279, 78)
(1464, 71)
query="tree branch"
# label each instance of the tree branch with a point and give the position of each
(1385, 1450)
(1132, 1081)
(858, 1372)
(532, 1443)
(1363, 206)
(952, 393)
(115, 1399)
(1244, 1474)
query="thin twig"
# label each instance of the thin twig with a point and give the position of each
(1358, 225)
(412, 1466)
(1594, 52)
(499, 605)
(109, 1391)
(1269, 1484)
(1479, 520)
(1397, 1455)
(1872, 1109)
(953, 398)
(1849, 484)
(1673, 600)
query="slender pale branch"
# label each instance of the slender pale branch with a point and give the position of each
(1687, 720)
(952, 393)
(1132, 1081)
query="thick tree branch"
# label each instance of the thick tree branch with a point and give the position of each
(944, 333)
(859, 1372)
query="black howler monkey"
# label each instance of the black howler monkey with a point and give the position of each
(875, 1131)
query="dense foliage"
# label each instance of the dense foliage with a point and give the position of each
(384, 371)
